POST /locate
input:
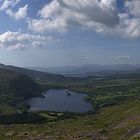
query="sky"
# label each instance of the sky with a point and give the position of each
(48, 33)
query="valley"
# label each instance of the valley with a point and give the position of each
(115, 100)
(69, 69)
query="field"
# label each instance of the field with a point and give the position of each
(114, 123)
(115, 99)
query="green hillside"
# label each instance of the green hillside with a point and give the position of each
(116, 102)
(37, 75)
(14, 88)
(119, 122)
(16, 85)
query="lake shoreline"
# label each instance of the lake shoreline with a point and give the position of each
(65, 106)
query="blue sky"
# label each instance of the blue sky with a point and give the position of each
(45, 33)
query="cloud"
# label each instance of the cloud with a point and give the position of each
(133, 7)
(20, 14)
(62, 14)
(101, 16)
(5, 4)
(125, 57)
(8, 5)
(17, 40)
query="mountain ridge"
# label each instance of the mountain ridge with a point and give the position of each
(89, 70)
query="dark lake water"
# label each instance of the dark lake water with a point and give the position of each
(61, 101)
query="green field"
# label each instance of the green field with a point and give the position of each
(119, 122)
(115, 99)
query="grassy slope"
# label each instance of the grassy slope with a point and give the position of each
(15, 87)
(12, 82)
(6, 109)
(114, 123)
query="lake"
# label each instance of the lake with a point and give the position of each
(60, 101)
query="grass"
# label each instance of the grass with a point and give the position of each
(118, 118)
(6, 109)
(114, 123)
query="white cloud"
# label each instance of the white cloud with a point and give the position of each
(122, 57)
(5, 4)
(17, 40)
(8, 5)
(133, 7)
(101, 16)
(20, 14)
(61, 14)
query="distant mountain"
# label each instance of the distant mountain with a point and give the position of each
(88, 70)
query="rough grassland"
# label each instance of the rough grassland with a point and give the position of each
(120, 122)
